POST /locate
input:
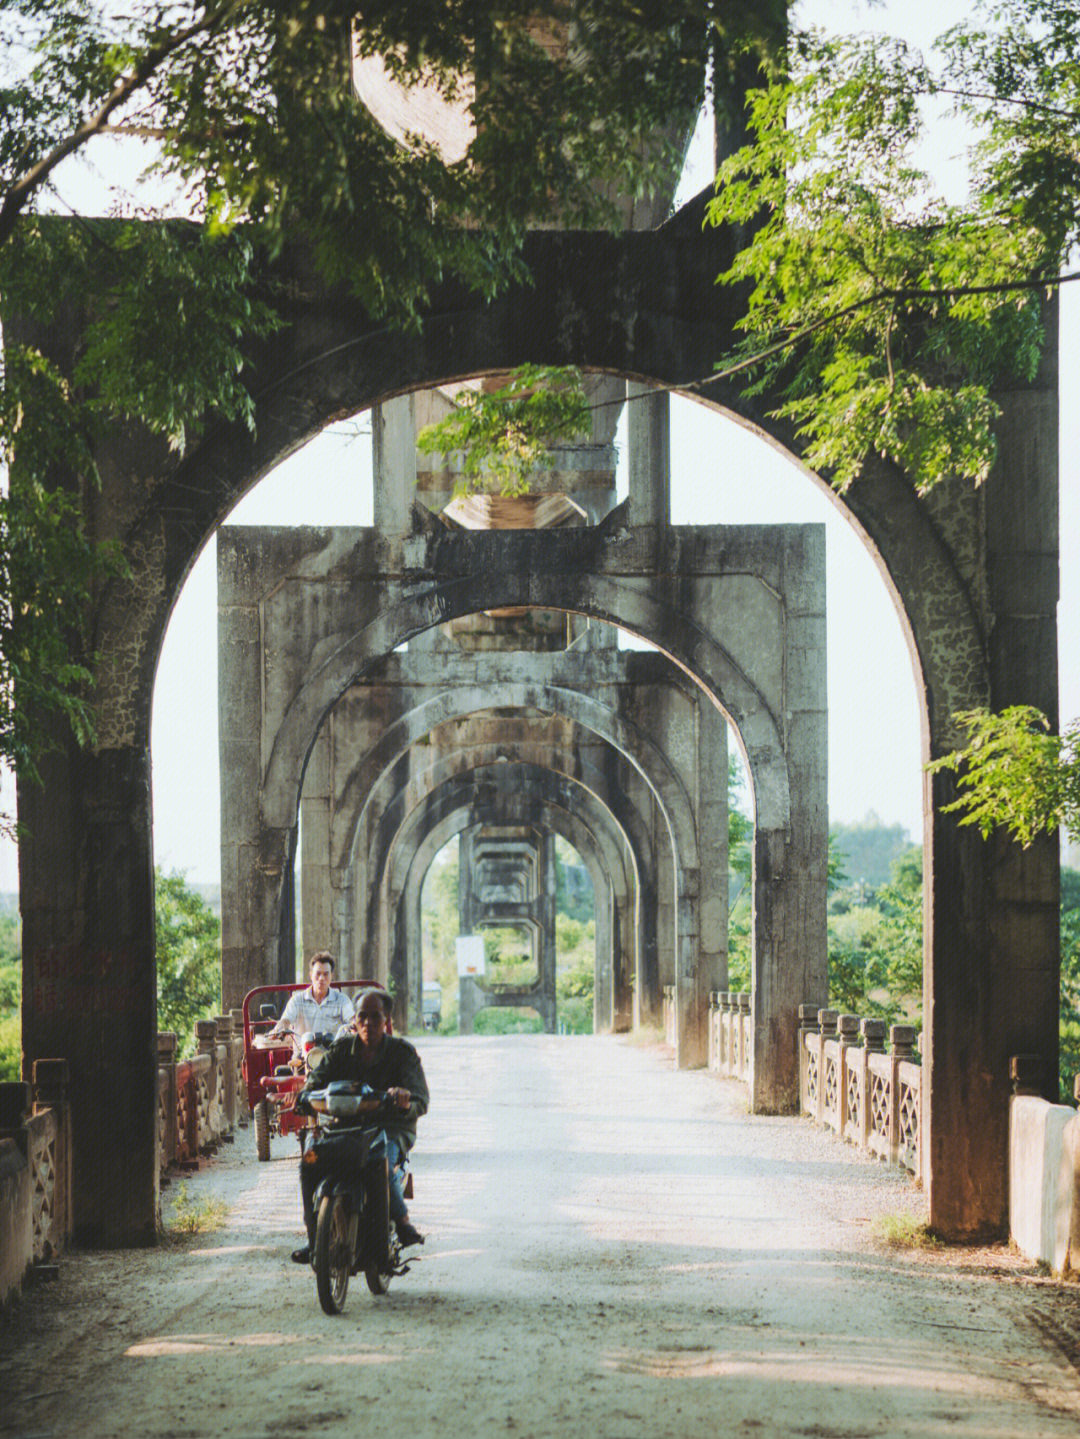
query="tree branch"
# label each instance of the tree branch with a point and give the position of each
(1039, 106)
(797, 336)
(19, 194)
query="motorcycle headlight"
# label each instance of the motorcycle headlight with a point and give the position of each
(315, 1056)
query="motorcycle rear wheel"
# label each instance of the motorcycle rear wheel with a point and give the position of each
(261, 1116)
(334, 1239)
(378, 1259)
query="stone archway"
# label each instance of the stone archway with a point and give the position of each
(644, 306)
(741, 612)
(364, 748)
(604, 805)
(610, 865)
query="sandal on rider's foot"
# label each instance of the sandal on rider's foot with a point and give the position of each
(407, 1234)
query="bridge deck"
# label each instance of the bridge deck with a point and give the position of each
(614, 1250)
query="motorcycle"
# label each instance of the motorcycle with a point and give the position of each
(353, 1231)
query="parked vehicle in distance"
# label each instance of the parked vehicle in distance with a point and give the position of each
(431, 1003)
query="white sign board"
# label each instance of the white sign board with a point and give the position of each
(470, 954)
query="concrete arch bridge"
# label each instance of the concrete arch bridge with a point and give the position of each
(738, 613)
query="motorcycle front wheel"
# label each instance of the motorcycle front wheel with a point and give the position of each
(378, 1259)
(334, 1238)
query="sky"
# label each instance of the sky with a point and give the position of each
(721, 474)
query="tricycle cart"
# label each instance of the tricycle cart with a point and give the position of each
(275, 1070)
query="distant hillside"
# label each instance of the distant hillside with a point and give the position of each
(869, 848)
(210, 894)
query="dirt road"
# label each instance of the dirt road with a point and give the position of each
(614, 1250)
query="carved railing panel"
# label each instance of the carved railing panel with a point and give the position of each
(41, 1158)
(872, 1099)
(879, 1138)
(909, 1107)
(830, 1085)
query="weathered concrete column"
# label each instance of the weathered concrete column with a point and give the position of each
(606, 960)
(316, 887)
(711, 809)
(648, 414)
(693, 890)
(89, 978)
(256, 857)
(991, 987)
(648, 989)
(546, 959)
(624, 955)
(393, 443)
(468, 899)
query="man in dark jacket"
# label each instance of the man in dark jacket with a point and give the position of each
(382, 1060)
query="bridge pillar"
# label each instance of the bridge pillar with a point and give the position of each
(993, 929)
(89, 977)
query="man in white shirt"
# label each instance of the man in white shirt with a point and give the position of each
(318, 1009)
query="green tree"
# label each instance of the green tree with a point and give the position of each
(1070, 981)
(573, 886)
(1015, 773)
(508, 955)
(249, 119)
(875, 947)
(879, 313)
(188, 959)
(575, 944)
(505, 435)
(869, 848)
(740, 873)
(10, 998)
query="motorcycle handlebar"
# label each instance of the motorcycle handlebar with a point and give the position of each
(343, 1104)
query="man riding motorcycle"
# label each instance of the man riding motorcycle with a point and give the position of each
(384, 1061)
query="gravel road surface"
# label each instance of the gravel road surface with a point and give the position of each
(615, 1250)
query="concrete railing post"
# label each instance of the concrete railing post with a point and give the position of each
(902, 1043)
(873, 1033)
(847, 1033)
(206, 1045)
(827, 1031)
(743, 1019)
(808, 1026)
(226, 1080)
(724, 1030)
(242, 1115)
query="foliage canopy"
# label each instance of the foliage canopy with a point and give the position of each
(505, 435)
(882, 313)
(188, 959)
(1015, 773)
(246, 113)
